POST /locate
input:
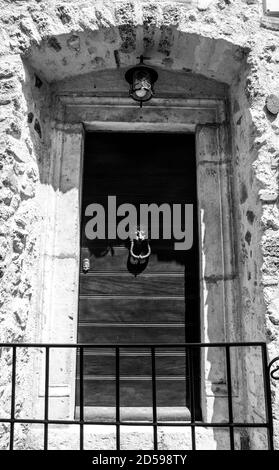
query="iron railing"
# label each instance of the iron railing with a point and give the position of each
(193, 423)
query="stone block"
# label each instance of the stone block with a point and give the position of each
(204, 4)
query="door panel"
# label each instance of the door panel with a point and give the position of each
(157, 305)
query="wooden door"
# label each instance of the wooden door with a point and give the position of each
(158, 305)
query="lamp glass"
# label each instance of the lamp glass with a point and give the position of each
(141, 92)
(141, 79)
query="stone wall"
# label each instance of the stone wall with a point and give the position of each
(42, 42)
(23, 145)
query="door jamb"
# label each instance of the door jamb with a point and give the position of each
(207, 119)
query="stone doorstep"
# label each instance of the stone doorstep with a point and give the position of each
(132, 438)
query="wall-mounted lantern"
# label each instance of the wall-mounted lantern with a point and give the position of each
(141, 79)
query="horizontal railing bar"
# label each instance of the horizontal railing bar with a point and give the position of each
(135, 377)
(131, 345)
(136, 297)
(124, 273)
(133, 353)
(127, 274)
(136, 423)
(129, 325)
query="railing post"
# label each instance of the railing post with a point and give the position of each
(81, 400)
(12, 424)
(46, 398)
(117, 396)
(230, 402)
(192, 395)
(267, 389)
(154, 399)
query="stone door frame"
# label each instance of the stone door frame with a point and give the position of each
(207, 119)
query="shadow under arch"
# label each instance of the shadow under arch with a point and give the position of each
(78, 52)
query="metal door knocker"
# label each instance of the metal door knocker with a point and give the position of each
(139, 252)
(140, 248)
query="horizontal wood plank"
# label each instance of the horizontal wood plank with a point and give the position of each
(134, 184)
(130, 310)
(128, 284)
(137, 199)
(130, 365)
(115, 258)
(139, 334)
(134, 392)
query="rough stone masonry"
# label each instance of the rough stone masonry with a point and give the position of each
(56, 28)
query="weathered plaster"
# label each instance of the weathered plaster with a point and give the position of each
(224, 40)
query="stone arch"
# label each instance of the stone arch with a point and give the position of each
(80, 52)
(88, 37)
